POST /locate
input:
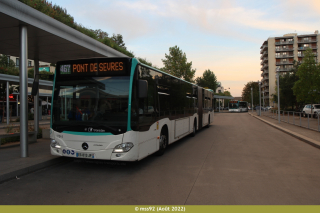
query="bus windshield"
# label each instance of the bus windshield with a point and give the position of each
(91, 104)
(233, 105)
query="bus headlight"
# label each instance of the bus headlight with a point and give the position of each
(55, 144)
(124, 147)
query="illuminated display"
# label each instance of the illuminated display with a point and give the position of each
(102, 67)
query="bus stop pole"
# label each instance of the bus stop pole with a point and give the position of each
(278, 85)
(23, 91)
(8, 107)
(251, 100)
(259, 98)
(36, 98)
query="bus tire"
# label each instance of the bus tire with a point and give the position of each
(208, 122)
(194, 131)
(163, 143)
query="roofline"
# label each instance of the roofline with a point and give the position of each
(33, 17)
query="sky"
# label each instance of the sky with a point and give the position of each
(224, 36)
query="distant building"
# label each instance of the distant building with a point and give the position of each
(277, 55)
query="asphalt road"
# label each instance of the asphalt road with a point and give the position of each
(238, 160)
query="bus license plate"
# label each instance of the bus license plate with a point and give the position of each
(85, 155)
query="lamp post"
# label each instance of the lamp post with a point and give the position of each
(278, 85)
(259, 98)
(251, 100)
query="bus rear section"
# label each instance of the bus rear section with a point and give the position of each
(234, 106)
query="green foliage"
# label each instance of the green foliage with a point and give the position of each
(307, 88)
(175, 63)
(4, 62)
(287, 81)
(44, 75)
(145, 61)
(118, 39)
(208, 80)
(246, 93)
(10, 139)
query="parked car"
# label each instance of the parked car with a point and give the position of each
(311, 110)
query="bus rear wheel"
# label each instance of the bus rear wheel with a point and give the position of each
(163, 143)
(194, 128)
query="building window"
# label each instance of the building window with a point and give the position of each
(277, 55)
(290, 39)
(306, 45)
(299, 53)
(17, 62)
(29, 63)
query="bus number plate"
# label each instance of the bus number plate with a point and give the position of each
(85, 155)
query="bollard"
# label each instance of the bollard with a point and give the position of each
(293, 118)
(308, 121)
(288, 116)
(318, 123)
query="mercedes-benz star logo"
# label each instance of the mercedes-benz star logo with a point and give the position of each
(85, 146)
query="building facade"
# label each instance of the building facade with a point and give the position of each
(278, 54)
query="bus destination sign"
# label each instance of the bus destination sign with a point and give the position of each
(100, 68)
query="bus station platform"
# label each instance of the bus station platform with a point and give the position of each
(12, 166)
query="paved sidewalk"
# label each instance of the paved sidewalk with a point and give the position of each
(12, 165)
(309, 136)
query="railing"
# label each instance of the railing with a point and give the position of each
(284, 49)
(284, 62)
(307, 40)
(284, 42)
(295, 118)
(284, 56)
(304, 48)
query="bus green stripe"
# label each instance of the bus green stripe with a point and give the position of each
(87, 133)
(133, 67)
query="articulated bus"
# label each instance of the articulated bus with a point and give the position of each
(238, 106)
(122, 110)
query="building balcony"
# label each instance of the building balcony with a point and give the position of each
(304, 48)
(302, 55)
(283, 69)
(285, 56)
(284, 49)
(266, 97)
(264, 53)
(284, 62)
(301, 41)
(284, 42)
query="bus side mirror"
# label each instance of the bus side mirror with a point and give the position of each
(143, 89)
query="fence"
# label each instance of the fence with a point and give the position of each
(295, 118)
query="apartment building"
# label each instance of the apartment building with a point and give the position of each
(277, 55)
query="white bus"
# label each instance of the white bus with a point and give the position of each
(238, 106)
(122, 110)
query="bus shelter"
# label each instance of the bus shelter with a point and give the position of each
(30, 34)
(220, 97)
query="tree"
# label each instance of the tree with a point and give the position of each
(287, 81)
(175, 63)
(100, 34)
(307, 88)
(246, 93)
(118, 39)
(208, 80)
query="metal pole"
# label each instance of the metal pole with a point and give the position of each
(278, 85)
(300, 118)
(36, 98)
(251, 100)
(23, 91)
(260, 98)
(17, 105)
(8, 101)
(308, 121)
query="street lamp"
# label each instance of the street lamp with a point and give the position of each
(278, 85)
(259, 97)
(251, 100)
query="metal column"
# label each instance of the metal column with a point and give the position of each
(17, 105)
(36, 98)
(8, 101)
(23, 90)
(260, 98)
(278, 85)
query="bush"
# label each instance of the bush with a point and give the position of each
(10, 139)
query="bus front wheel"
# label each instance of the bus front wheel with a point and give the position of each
(163, 143)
